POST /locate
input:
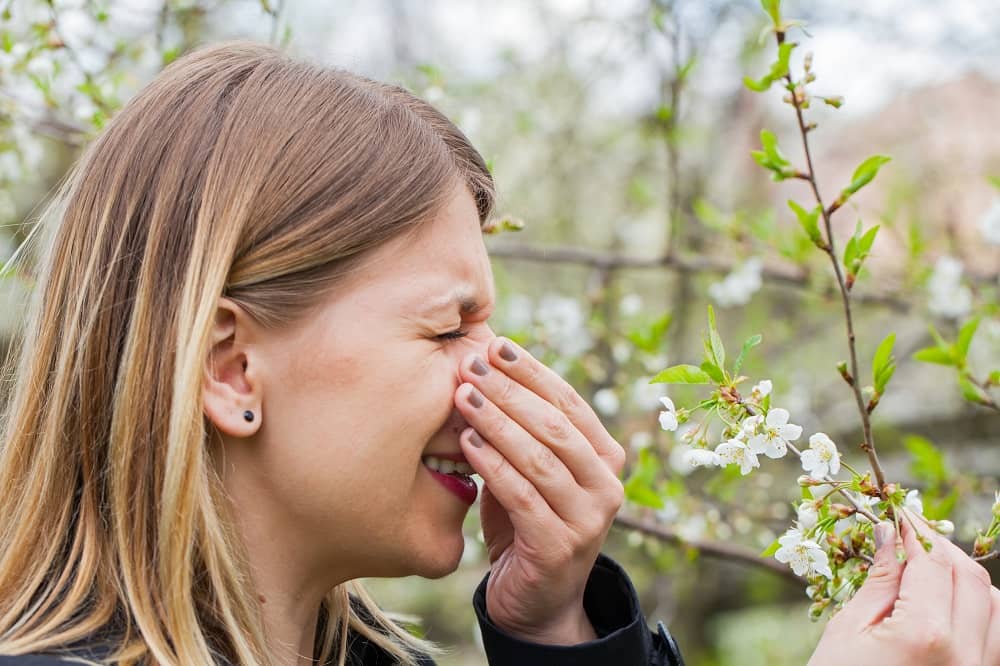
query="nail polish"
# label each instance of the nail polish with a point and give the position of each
(475, 399)
(479, 367)
(476, 440)
(507, 352)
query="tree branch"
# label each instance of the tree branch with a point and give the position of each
(720, 549)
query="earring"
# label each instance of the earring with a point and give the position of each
(248, 415)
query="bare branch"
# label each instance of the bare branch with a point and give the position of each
(720, 549)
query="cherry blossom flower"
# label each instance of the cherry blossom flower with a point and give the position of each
(761, 390)
(807, 515)
(737, 452)
(668, 417)
(913, 503)
(948, 296)
(775, 434)
(700, 458)
(737, 287)
(804, 556)
(989, 223)
(821, 458)
(606, 401)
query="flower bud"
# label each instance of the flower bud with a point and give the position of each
(945, 527)
(842, 510)
(805, 481)
(984, 545)
(817, 608)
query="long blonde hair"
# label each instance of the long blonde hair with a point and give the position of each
(240, 172)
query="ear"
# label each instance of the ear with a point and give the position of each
(230, 384)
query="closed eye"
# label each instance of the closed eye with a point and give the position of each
(453, 335)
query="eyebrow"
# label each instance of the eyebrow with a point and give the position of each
(467, 304)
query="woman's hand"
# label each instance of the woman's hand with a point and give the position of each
(552, 490)
(935, 608)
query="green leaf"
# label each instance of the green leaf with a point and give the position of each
(809, 221)
(750, 343)
(883, 363)
(994, 377)
(682, 374)
(650, 337)
(864, 174)
(970, 391)
(779, 67)
(718, 351)
(995, 181)
(643, 495)
(928, 464)
(762, 84)
(965, 338)
(934, 355)
(713, 371)
(771, 550)
(639, 485)
(773, 9)
(771, 157)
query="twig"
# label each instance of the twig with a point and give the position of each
(869, 444)
(726, 551)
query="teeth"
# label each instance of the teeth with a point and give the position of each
(448, 466)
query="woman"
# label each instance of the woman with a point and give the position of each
(259, 368)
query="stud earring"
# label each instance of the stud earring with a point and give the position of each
(248, 415)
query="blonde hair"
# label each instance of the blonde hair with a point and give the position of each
(237, 172)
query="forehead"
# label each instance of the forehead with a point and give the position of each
(442, 265)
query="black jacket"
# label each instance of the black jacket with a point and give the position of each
(611, 604)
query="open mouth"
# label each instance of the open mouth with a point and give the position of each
(448, 466)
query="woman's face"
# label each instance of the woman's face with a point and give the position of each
(354, 396)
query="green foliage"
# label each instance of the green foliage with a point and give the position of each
(650, 338)
(883, 364)
(771, 157)
(639, 485)
(682, 374)
(809, 221)
(750, 343)
(863, 175)
(857, 250)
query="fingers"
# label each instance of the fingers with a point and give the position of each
(535, 464)
(991, 651)
(530, 372)
(542, 420)
(926, 591)
(877, 597)
(529, 513)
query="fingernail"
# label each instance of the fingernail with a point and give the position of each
(475, 399)
(479, 367)
(882, 534)
(476, 440)
(507, 352)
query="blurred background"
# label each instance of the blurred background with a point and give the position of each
(620, 134)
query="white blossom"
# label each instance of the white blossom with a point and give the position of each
(945, 527)
(913, 503)
(775, 434)
(739, 285)
(949, 298)
(518, 312)
(761, 390)
(630, 305)
(821, 458)
(606, 401)
(668, 417)
(804, 555)
(564, 325)
(750, 426)
(807, 515)
(989, 223)
(640, 440)
(737, 452)
(700, 458)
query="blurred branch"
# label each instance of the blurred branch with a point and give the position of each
(720, 549)
(792, 277)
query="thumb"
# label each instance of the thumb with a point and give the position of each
(876, 598)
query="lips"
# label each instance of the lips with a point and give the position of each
(453, 473)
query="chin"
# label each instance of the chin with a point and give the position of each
(441, 558)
